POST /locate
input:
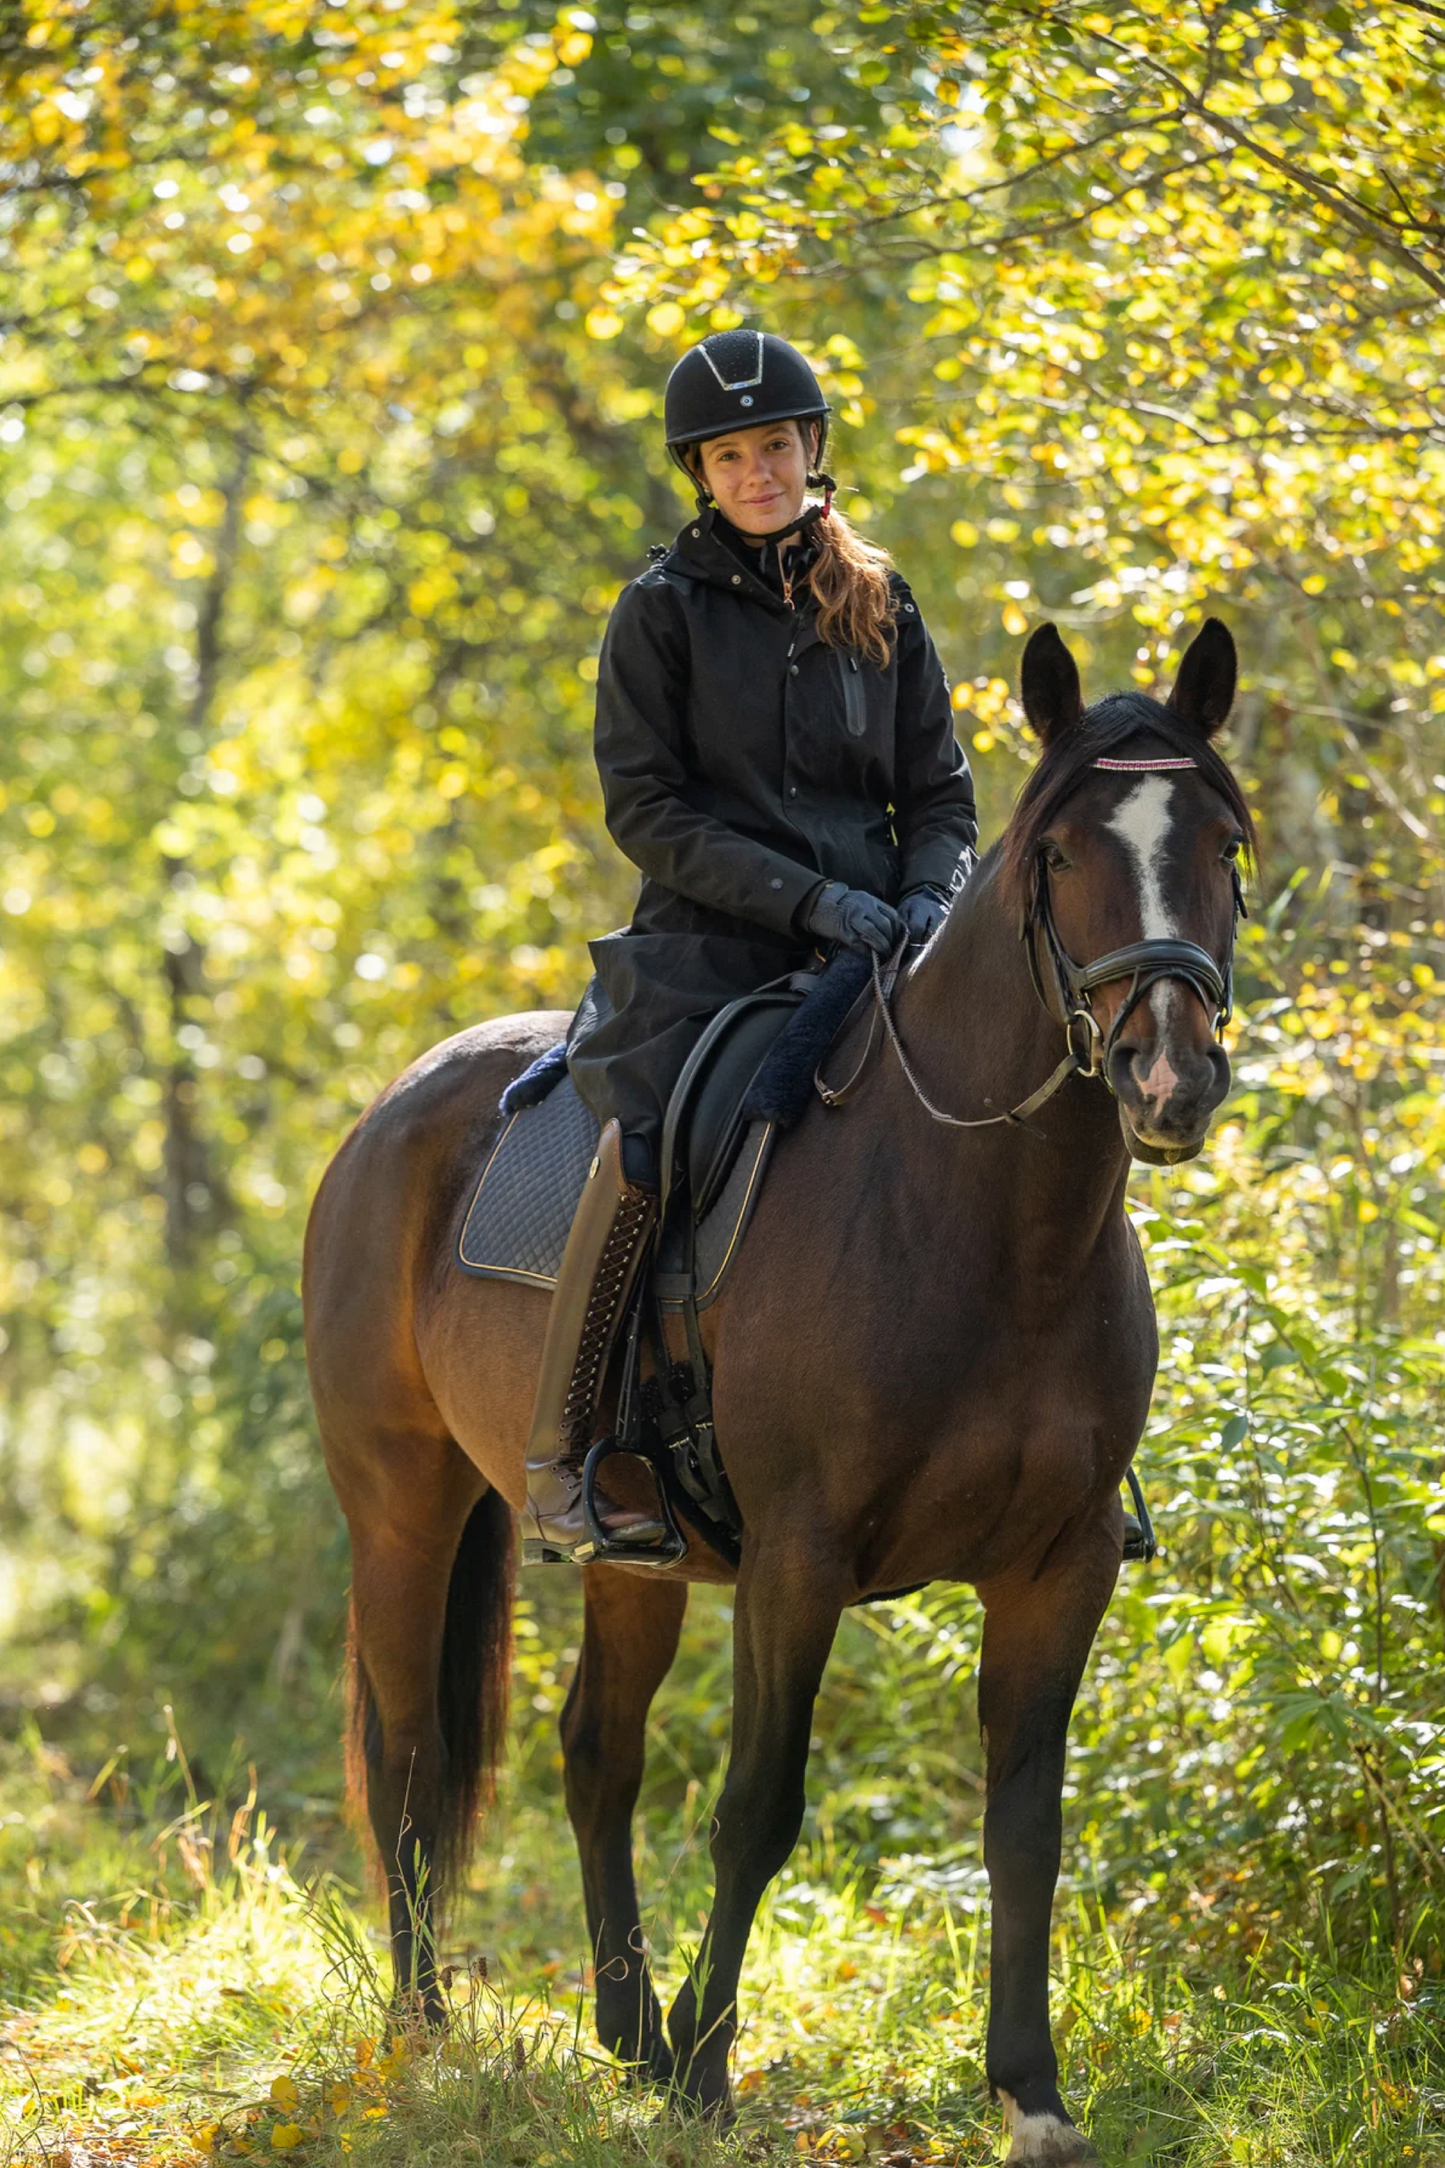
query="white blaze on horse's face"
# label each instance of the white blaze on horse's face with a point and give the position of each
(1142, 822)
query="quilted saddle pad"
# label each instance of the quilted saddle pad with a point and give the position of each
(521, 1210)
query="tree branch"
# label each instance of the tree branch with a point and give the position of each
(1332, 199)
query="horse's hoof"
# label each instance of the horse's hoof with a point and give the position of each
(1046, 2141)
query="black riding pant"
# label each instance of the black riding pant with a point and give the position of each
(646, 1009)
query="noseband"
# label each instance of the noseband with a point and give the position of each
(1145, 963)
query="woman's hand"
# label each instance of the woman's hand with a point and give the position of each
(854, 918)
(923, 911)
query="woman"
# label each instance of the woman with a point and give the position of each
(775, 741)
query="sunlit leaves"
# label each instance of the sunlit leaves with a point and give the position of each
(316, 533)
(1106, 243)
(327, 436)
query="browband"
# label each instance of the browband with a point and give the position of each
(1141, 767)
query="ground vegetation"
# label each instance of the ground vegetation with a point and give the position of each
(333, 344)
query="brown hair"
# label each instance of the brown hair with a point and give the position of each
(849, 577)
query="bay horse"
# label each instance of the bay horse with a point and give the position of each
(933, 1361)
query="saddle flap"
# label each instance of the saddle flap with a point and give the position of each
(520, 1211)
(705, 1127)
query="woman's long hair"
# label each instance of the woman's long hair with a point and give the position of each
(849, 577)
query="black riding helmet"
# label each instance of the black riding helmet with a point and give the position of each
(740, 380)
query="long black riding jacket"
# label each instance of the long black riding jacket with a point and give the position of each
(744, 760)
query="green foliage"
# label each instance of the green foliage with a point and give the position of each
(209, 2005)
(332, 360)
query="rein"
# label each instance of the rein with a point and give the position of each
(1146, 963)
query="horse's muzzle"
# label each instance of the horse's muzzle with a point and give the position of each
(1167, 1097)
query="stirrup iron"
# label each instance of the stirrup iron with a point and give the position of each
(621, 1545)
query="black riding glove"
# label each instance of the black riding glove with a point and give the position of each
(922, 911)
(853, 917)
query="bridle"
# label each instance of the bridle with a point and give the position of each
(1144, 963)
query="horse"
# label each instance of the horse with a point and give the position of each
(933, 1361)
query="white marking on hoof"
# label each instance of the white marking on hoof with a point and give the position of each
(1044, 2141)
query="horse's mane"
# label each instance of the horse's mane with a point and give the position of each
(1108, 724)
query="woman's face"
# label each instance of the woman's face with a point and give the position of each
(758, 476)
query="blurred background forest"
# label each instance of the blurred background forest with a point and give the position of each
(334, 340)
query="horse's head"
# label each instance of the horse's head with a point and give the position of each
(1124, 853)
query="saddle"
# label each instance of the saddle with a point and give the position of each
(717, 1138)
(713, 1152)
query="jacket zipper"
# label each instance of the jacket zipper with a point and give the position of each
(855, 706)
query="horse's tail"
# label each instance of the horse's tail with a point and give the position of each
(472, 1685)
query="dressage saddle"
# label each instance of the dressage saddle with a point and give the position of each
(715, 1151)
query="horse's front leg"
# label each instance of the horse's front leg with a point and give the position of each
(628, 1643)
(787, 1609)
(1036, 1641)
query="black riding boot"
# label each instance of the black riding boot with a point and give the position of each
(610, 1232)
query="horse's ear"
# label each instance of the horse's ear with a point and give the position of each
(1204, 689)
(1049, 684)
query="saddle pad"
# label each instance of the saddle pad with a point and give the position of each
(521, 1210)
(516, 1225)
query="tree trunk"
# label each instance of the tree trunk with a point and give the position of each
(195, 1195)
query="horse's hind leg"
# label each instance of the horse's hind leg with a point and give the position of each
(430, 1611)
(1036, 1640)
(629, 1640)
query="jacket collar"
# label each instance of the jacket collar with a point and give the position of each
(701, 554)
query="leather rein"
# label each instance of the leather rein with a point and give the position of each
(1144, 963)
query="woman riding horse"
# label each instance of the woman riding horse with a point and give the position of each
(775, 741)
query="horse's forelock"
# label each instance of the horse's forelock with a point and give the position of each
(1108, 724)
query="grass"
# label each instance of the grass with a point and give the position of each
(178, 1992)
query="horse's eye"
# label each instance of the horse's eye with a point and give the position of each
(1054, 858)
(1232, 849)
